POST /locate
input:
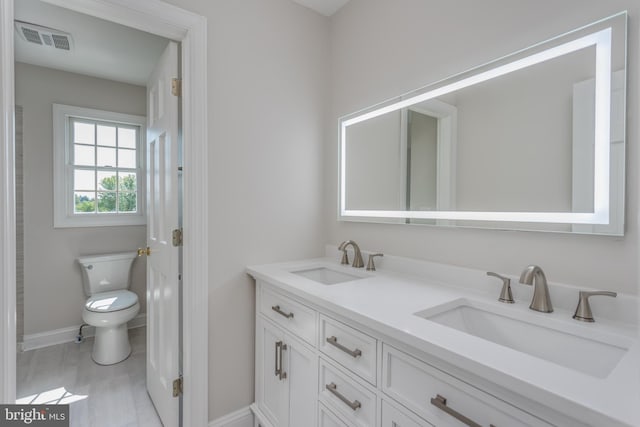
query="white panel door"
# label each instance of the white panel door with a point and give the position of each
(162, 263)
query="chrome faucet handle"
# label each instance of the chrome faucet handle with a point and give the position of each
(505, 294)
(370, 264)
(583, 310)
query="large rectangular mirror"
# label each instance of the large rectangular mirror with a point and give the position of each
(533, 141)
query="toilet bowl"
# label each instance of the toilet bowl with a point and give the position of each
(110, 305)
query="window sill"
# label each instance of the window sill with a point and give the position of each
(99, 221)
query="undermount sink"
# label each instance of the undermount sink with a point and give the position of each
(571, 349)
(326, 276)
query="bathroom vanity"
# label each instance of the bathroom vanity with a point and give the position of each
(425, 344)
(422, 344)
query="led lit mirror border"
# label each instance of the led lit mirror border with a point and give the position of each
(598, 35)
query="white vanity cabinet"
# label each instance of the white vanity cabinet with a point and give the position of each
(315, 368)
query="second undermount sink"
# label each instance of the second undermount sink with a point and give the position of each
(326, 276)
(573, 349)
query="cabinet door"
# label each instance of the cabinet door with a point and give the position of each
(272, 388)
(301, 364)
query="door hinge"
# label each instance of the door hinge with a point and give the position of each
(176, 237)
(176, 87)
(177, 387)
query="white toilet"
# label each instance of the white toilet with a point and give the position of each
(110, 305)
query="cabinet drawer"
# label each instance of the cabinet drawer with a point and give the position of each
(420, 386)
(349, 398)
(350, 347)
(291, 315)
(327, 419)
(394, 417)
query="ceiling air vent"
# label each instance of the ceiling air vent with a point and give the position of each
(44, 36)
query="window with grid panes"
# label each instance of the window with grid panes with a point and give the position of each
(103, 173)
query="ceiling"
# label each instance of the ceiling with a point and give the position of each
(99, 48)
(104, 49)
(324, 7)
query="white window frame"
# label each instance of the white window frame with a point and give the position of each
(63, 191)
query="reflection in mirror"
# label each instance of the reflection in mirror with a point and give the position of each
(533, 141)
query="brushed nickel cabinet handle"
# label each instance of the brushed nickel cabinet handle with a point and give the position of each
(441, 403)
(334, 342)
(333, 389)
(276, 308)
(280, 346)
(275, 357)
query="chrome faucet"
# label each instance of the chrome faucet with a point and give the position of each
(533, 275)
(357, 256)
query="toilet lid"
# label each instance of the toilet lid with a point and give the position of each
(105, 302)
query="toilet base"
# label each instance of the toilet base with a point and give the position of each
(111, 345)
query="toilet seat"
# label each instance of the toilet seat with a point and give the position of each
(108, 302)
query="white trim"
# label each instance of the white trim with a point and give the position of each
(241, 418)
(260, 416)
(64, 335)
(63, 215)
(7, 214)
(172, 22)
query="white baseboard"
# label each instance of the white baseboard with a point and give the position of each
(259, 416)
(60, 336)
(240, 418)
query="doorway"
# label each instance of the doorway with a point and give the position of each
(93, 145)
(190, 30)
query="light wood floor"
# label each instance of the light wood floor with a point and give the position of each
(99, 396)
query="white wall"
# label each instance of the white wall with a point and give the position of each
(380, 49)
(268, 65)
(53, 293)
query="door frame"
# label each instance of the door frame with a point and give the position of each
(190, 29)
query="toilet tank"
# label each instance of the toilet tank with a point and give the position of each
(106, 272)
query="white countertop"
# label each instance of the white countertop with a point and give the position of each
(386, 301)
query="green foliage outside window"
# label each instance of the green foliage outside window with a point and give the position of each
(126, 195)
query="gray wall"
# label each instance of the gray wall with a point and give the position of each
(424, 41)
(374, 169)
(268, 68)
(53, 294)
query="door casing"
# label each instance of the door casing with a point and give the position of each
(165, 20)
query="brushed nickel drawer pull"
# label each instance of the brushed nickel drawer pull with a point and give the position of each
(333, 388)
(275, 357)
(276, 308)
(441, 403)
(334, 342)
(280, 346)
